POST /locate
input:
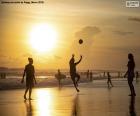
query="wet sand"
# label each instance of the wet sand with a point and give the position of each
(94, 99)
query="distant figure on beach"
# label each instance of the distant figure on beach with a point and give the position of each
(104, 74)
(137, 76)
(91, 76)
(109, 82)
(59, 76)
(119, 74)
(87, 74)
(73, 72)
(3, 75)
(29, 71)
(130, 73)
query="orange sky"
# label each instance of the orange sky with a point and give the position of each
(109, 30)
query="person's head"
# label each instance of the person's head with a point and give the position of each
(130, 56)
(30, 60)
(73, 55)
(108, 73)
(72, 59)
(58, 70)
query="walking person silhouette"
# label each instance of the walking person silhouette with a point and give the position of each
(130, 73)
(73, 72)
(30, 78)
(109, 82)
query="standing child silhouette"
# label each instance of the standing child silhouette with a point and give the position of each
(30, 78)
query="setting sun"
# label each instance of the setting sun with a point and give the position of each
(43, 37)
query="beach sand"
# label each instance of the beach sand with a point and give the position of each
(94, 99)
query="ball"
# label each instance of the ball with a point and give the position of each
(80, 41)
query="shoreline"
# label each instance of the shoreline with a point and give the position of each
(14, 83)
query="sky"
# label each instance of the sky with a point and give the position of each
(109, 31)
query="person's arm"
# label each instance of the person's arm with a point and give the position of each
(127, 70)
(23, 75)
(34, 77)
(35, 80)
(78, 61)
(126, 74)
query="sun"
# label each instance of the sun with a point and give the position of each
(43, 37)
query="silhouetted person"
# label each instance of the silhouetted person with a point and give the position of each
(104, 74)
(3, 75)
(91, 76)
(59, 77)
(130, 73)
(30, 78)
(119, 74)
(73, 72)
(137, 76)
(109, 82)
(132, 111)
(87, 74)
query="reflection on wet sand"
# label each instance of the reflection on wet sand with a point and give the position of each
(41, 106)
(75, 106)
(93, 100)
(29, 107)
(44, 102)
(48, 103)
(53, 103)
(132, 111)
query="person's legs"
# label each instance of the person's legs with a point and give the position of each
(91, 79)
(78, 78)
(108, 82)
(30, 92)
(59, 82)
(27, 88)
(75, 85)
(131, 87)
(111, 83)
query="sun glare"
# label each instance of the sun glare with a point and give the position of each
(44, 102)
(43, 37)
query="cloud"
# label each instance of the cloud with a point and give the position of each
(123, 33)
(57, 57)
(27, 55)
(87, 32)
(136, 19)
(125, 49)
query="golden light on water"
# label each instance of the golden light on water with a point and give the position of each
(43, 37)
(50, 102)
(44, 102)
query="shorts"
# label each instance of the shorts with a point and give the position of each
(73, 75)
(29, 82)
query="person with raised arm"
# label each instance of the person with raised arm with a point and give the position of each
(73, 72)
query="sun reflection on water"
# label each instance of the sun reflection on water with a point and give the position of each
(44, 102)
(48, 102)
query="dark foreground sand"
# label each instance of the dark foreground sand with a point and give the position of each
(94, 99)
